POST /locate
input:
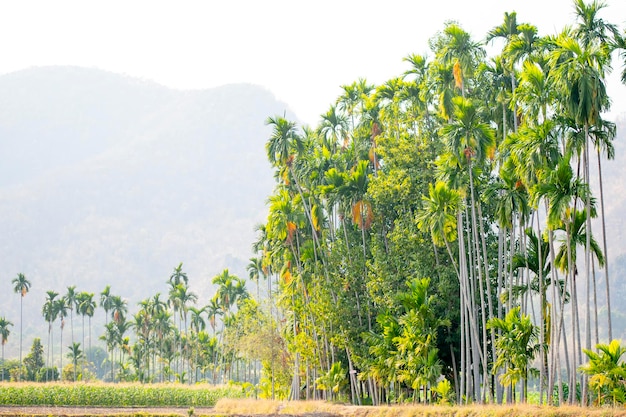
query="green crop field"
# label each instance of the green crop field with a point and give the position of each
(114, 395)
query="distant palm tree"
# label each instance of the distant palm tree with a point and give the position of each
(178, 276)
(61, 309)
(85, 306)
(4, 335)
(21, 285)
(50, 313)
(71, 298)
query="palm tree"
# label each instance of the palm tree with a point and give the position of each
(438, 216)
(516, 347)
(607, 372)
(178, 276)
(86, 306)
(50, 314)
(197, 325)
(4, 336)
(119, 308)
(21, 286)
(61, 308)
(71, 301)
(593, 30)
(213, 310)
(255, 272)
(457, 48)
(469, 139)
(508, 30)
(179, 299)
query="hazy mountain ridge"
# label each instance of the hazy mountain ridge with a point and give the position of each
(120, 190)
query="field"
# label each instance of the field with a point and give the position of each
(114, 395)
(173, 400)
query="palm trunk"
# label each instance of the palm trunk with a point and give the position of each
(606, 254)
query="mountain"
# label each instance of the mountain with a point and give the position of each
(110, 180)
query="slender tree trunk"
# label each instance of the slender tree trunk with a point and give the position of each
(19, 377)
(606, 254)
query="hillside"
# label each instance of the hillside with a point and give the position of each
(106, 179)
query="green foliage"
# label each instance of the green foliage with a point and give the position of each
(99, 395)
(516, 346)
(445, 394)
(34, 361)
(334, 380)
(607, 372)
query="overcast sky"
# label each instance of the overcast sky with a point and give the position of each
(302, 51)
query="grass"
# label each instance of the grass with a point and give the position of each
(251, 408)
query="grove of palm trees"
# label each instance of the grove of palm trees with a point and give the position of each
(430, 240)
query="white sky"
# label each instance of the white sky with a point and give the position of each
(302, 51)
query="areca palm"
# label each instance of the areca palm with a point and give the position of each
(578, 237)
(61, 307)
(334, 129)
(197, 325)
(180, 298)
(85, 306)
(4, 336)
(592, 29)
(178, 276)
(607, 372)
(562, 189)
(438, 216)
(21, 286)
(458, 49)
(255, 272)
(468, 139)
(50, 314)
(516, 348)
(72, 303)
(508, 30)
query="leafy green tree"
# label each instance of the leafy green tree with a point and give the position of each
(34, 361)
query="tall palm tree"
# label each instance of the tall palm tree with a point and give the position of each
(71, 301)
(563, 190)
(197, 324)
(85, 306)
(119, 308)
(4, 336)
(178, 276)
(459, 50)
(579, 71)
(179, 298)
(50, 314)
(61, 308)
(593, 30)
(469, 139)
(255, 272)
(508, 31)
(21, 286)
